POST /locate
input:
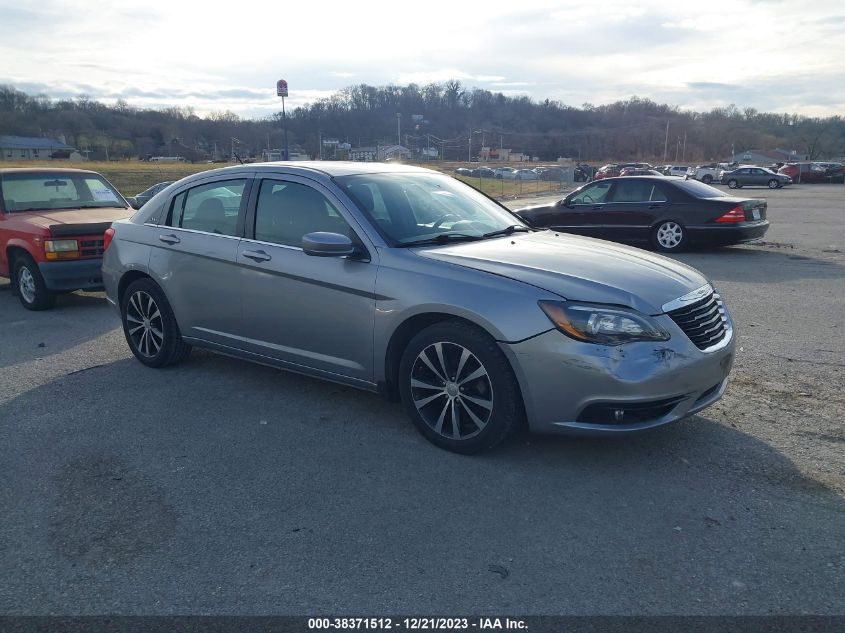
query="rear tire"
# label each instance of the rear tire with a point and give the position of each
(733, 184)
(458, 388)
(29, 285)
(150, 327)
(669, 236)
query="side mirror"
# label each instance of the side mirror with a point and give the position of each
(322, 244)
(133, 203)
(565, 202)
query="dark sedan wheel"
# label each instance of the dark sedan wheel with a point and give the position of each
(29, 285)
(458, 388)
(773, 184)
(733, 184)
(669, 236)
(150, 326)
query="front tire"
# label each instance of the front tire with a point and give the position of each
(29, 285)
(669, 237)
(733, 184)
(458, 388)
(773, 184)
(150, 327)
(707, 179)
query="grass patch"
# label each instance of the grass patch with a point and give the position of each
(131, 177)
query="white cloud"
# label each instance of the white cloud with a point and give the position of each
(183, 53)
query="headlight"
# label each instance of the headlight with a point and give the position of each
(61, 249)
(602, 325)
(60, 246)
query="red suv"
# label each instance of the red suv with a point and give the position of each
(814, 172)
(52, 231)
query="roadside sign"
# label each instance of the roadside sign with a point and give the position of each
(282, 88)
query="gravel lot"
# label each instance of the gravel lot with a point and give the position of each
(221, 487)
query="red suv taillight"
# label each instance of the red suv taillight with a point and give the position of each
(107, 237)
(737, 214)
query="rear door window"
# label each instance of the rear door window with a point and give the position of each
(211, 208)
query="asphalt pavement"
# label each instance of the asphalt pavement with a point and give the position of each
(223, 487)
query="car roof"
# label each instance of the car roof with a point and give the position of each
(45, 170)
(326, 167)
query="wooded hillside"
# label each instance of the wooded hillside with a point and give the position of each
(452, 118)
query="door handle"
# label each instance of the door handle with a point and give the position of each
(258, 256)
(169, 239)
(597, 207)
(655, 206)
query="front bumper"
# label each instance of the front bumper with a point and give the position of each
(69, 275)
(563, 381)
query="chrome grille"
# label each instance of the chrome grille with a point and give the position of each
(704, 321)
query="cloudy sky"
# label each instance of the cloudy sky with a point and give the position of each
(773, 55)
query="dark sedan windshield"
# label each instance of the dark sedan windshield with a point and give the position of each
(699, 189)
(54, 191)
(409, 208)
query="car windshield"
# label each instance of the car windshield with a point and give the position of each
(699, 189)
(54, 191)
(415, 208)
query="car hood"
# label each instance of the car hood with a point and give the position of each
(46, 219)
(578, 268)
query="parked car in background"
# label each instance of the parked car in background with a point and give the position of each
(637, 171)
(667, 213)
(483, 172)
(505, 173)
(526, 174)
(676, 170)
(813, 172)
(612, 170)
(463, 171)
(755, 176)
(583, 173)
(448, 301)
(555, 174)
(52, 231)
(139, 200)
(711, 172)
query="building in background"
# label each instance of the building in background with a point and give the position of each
(36, 148)
(767, 156)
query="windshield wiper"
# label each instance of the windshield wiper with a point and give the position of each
(508, 230)
(443, 238)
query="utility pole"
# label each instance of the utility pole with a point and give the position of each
(282, 91)
(684, 154)
(320, 140)
(469, 148)
(399, 128)
(666, 143)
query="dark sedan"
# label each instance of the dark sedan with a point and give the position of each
(754, 176)
(668, 213)
(144, 197)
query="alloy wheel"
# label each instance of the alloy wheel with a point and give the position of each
(451, 390)
(670, 235)
(144, 324)
(26, 285)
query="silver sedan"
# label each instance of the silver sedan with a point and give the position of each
(407, 282)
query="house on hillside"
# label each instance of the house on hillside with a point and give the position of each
(380, 152)
(35, 148)
(767, 157)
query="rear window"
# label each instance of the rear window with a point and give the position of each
(57, 191)
(699, 189)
